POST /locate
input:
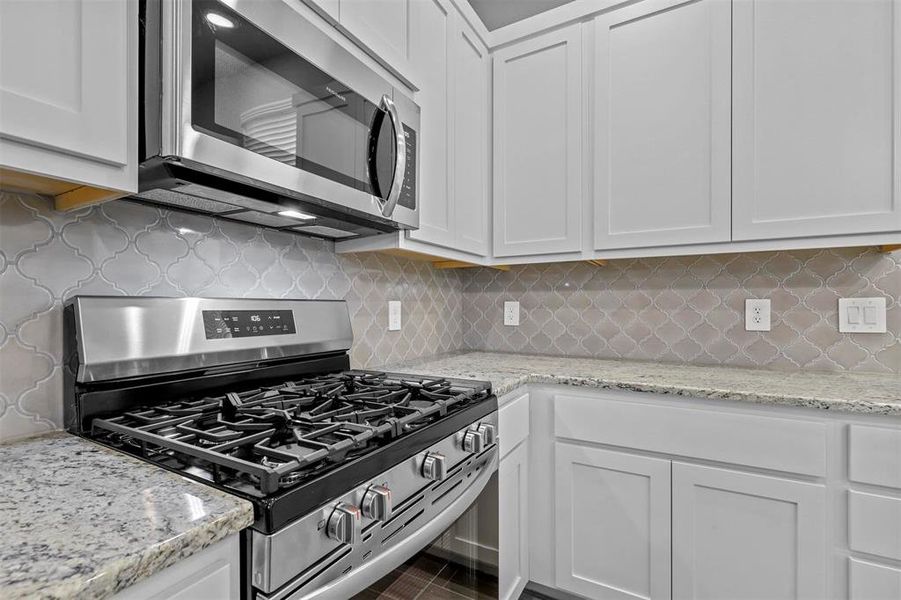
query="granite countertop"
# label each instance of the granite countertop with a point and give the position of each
(872, 393)
(83, 521)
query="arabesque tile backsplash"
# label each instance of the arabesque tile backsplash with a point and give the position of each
(127, 248)
(686, 309)
(691, 309)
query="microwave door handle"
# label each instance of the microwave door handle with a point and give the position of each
(400, 157)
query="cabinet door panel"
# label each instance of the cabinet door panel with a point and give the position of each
(537, 145)
(662, 131)
(513, 516)
(613, 523)
(67, 91)
(381, 25)
(870, 581)
(817, 94)
(742, 536)
(430, 43)
(470, 127)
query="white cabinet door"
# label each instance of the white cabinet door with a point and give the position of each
(816, 133)
(513, 519)
(469, 105)
(211, 574)
(741, 536)
(382, 26)
(869, 581)
(68, 90)
(538, 145)
(662, 124)
(431, 38)
(612, 523)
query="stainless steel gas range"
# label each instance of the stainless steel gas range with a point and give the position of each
(351, 473)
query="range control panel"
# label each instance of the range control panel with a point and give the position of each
(227, 324)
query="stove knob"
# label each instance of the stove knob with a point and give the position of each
(344, 523)
(377, 503)
(433, 466)
(473, 441)
(488, 433)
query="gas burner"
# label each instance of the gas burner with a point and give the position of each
(276, 436)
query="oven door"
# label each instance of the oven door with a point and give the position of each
(443, 534)
(454, 554)
(255, 91)
(460, 562)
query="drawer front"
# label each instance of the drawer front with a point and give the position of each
(873, 582)
(513, 423)
(874, 524)
(875, 455)
(783, 444)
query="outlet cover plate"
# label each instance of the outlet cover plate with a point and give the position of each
(511, 314)
(861, 315)
(394, 315)
(757, 314)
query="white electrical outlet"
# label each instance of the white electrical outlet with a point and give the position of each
(861, 315)
(511, 313)
(394, 315)
(757, 314)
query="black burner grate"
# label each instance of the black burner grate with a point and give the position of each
(275, 437)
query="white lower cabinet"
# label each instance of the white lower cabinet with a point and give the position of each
(211, 574)
(613, 523)
(513, 512)
(740, 535)
(637, 495)
(513, 495)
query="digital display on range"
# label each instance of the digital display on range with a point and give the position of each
(226, 324)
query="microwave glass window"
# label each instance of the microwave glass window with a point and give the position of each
(251, 91)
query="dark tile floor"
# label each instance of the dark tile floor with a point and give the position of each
(425, 577)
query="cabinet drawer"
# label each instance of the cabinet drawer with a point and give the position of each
(873, 582)
(790, 445)
(874, 524)
(513, 423)
(875, 455)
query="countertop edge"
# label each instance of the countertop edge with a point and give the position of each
(832, 405)
(127, 571)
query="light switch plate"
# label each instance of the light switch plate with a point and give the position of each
(757, 314)
(511, 313)
(394, 315)
(861, 315)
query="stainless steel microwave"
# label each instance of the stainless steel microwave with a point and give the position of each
(250, 112)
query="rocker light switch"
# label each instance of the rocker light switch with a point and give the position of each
(861, 315)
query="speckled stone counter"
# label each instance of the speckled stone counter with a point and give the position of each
(848, 392)
(82, 521)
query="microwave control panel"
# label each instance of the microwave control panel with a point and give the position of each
(408, 193)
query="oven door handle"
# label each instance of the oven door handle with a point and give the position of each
(373, 570)
(400, 158)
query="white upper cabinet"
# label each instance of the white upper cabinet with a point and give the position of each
(469, 119)
(453, 189)
(816, 127)
(431, 44)
(538, 145)
(381, 26)
(68, 87)
(661, 124)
